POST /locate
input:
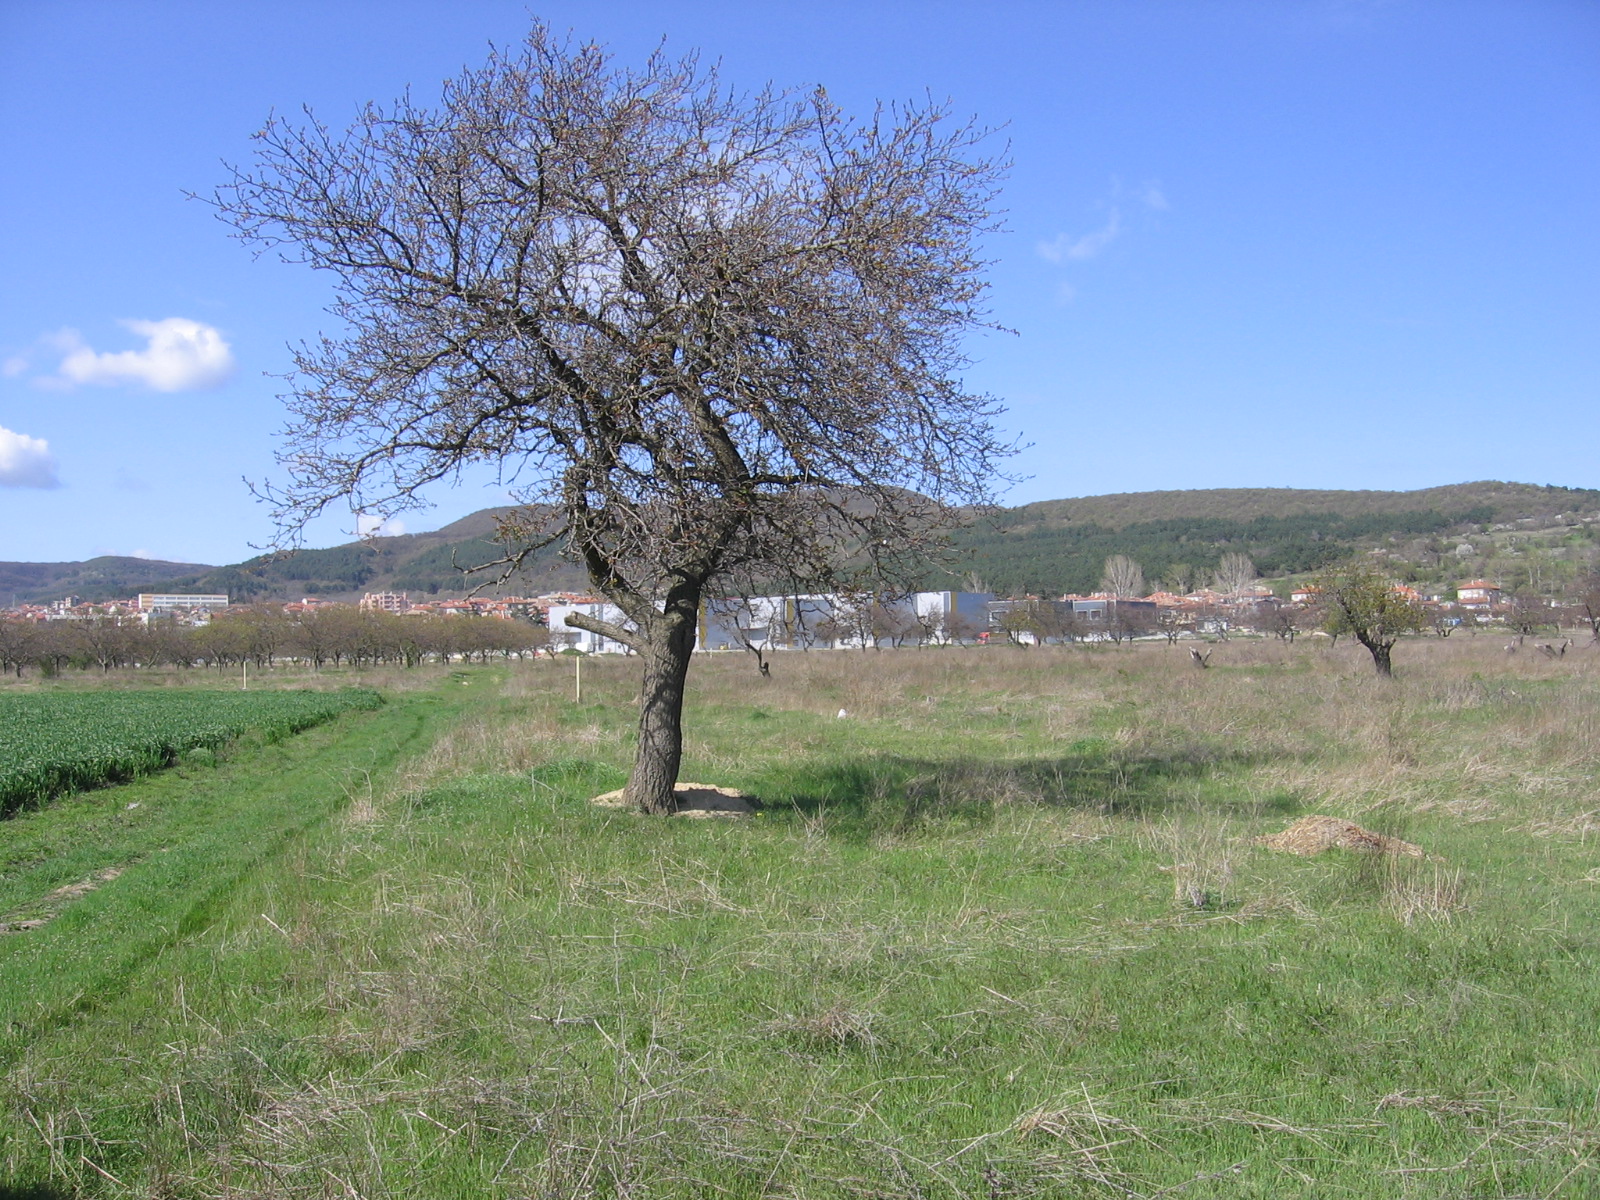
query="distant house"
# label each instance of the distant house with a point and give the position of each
(1308, 593)
(390, 602)
(1480, 593)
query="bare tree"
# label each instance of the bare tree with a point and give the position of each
(18, 643)
(893, 620)
(710, 338)
(1129, 621)
(1171, 623)
(1235, 572)
(1122, 577)
(1282, 621)
(1528, 611)
(751, 629)
(959, 628)
(1179, 578)
(1445, 619)
(1588, 605)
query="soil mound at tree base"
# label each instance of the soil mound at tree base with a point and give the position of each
(694, 800)
(1313, 835)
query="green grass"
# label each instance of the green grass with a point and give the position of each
(998, 933)
(57, 742)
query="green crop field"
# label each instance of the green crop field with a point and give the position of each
(52, 743)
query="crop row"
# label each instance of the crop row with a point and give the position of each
(51, 744)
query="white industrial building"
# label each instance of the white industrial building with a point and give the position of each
(166, 602)
(823, 621)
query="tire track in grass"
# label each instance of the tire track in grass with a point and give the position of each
(247, 813)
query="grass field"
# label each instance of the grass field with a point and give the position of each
(1000, 932)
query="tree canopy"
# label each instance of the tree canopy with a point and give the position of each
(1366, 604)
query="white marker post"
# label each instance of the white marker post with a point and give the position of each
(577, 677)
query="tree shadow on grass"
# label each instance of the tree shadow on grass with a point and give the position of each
(889, 793)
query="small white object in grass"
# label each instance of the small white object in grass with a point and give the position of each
(842, 715)
(135, 804)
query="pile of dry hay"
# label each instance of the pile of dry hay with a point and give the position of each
(694, 800)
(1313, 835)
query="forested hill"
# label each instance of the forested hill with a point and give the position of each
(1436, 535)
(1507, 501)
(95, 579)
(420, 564)
(1432, 535)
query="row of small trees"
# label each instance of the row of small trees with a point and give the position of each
(262, 637)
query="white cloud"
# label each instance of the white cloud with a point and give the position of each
(1066, 248)
(13, 366)
(370, 526)
(1153, 197)
(179, 356)
(26, 461)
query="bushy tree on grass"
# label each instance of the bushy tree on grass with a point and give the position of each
(1367, 605)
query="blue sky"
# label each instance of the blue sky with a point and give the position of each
(1309, 243)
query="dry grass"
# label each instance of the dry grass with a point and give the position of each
(1432, 893)
(1202, 866)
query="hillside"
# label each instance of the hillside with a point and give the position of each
(1508, 501)
(1434, 536)
(97, 578)
(1519, 533)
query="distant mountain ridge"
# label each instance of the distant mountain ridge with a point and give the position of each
(105, 577)
(1048, 546)
(1119, 509)
(1431, 535)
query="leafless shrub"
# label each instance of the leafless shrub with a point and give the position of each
(1432, 893)
(1202, 862)
(1090, 1133)
(837, 1027)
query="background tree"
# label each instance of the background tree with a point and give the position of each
(1527, 612)
(1123, 578)
(1171, 622)
(751, 626)
(1364, 603)
(1123, 621)
(104, 641)
(893, 620)
(1282, 621)
(1588, 604)
(1445, 619)
(713, 338)
(1234, 573)
(1179, 578)
(1020, 623)
(959, 628)
(19, 642)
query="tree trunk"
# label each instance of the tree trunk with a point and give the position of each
(660, 749)
(1380, 658)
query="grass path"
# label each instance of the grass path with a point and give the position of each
(121, 875)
